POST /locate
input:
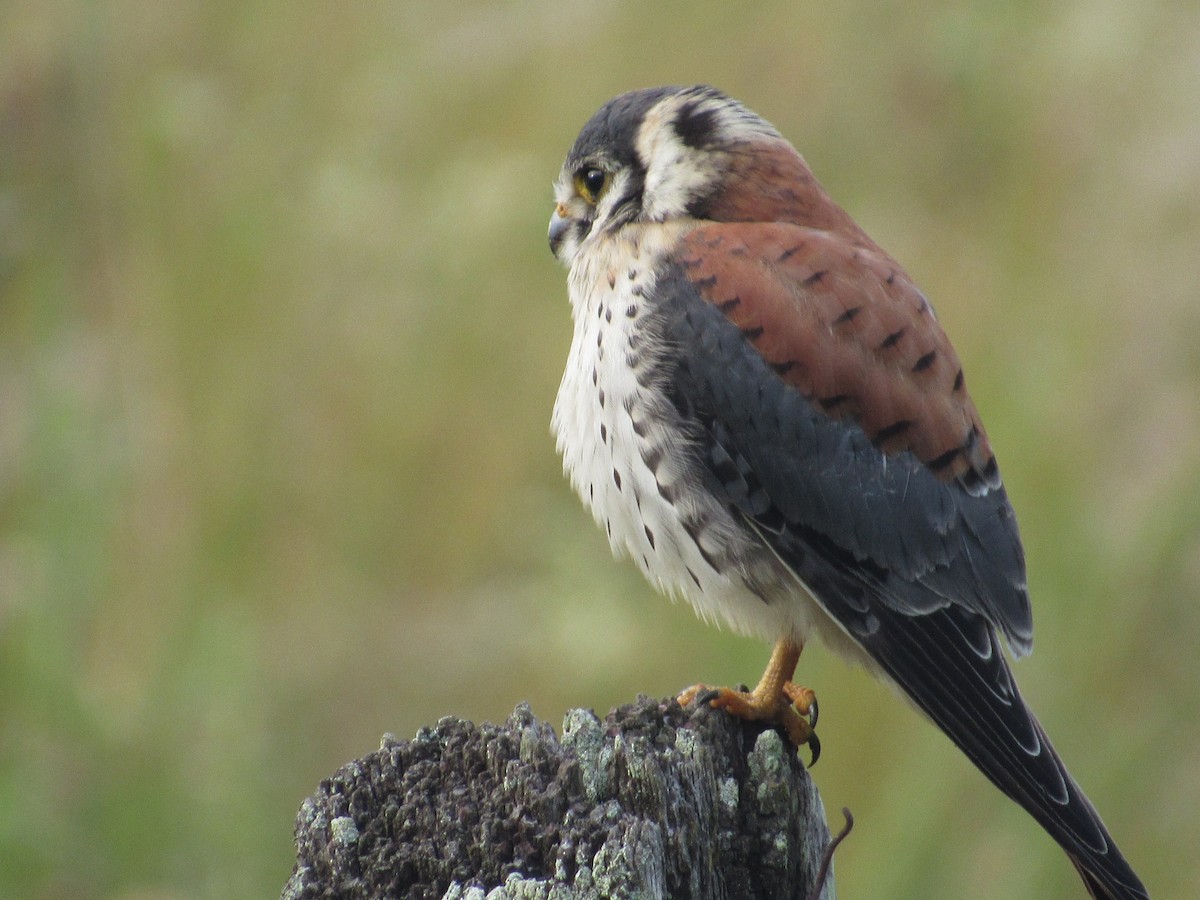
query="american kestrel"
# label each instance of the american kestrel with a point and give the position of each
(760, 408)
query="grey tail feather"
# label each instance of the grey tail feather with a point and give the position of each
(1109, 888)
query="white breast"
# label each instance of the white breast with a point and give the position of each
(625, 451)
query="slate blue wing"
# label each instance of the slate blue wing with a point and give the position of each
(918, 570)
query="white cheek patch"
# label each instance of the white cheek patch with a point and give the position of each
(614, 192)
(676, 174)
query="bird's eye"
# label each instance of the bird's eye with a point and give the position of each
(591, 183)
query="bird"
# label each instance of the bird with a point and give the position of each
(761, 409)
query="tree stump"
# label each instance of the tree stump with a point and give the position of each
(655, 801)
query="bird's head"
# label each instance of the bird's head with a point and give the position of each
(670, 153)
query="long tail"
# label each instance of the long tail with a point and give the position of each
(952, 666)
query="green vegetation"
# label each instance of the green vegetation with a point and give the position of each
(279, 338)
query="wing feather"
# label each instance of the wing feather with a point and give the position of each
(919, 570)
(838, 320)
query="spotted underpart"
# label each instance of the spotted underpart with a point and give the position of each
(631, 455)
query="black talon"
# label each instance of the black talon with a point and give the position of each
(814, 745)
(813, 709)
(707, 697)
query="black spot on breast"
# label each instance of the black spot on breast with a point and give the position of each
(617, 479)
(925, 361)
(649, 536)
(695, 529)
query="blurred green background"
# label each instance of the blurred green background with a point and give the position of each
(279, 339)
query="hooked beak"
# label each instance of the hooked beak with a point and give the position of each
(559, 223)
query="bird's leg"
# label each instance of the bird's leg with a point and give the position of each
(775, 699)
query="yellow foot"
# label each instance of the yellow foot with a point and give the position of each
(776, 700)
(804, 699)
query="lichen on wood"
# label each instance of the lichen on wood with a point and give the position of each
(653, 801)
